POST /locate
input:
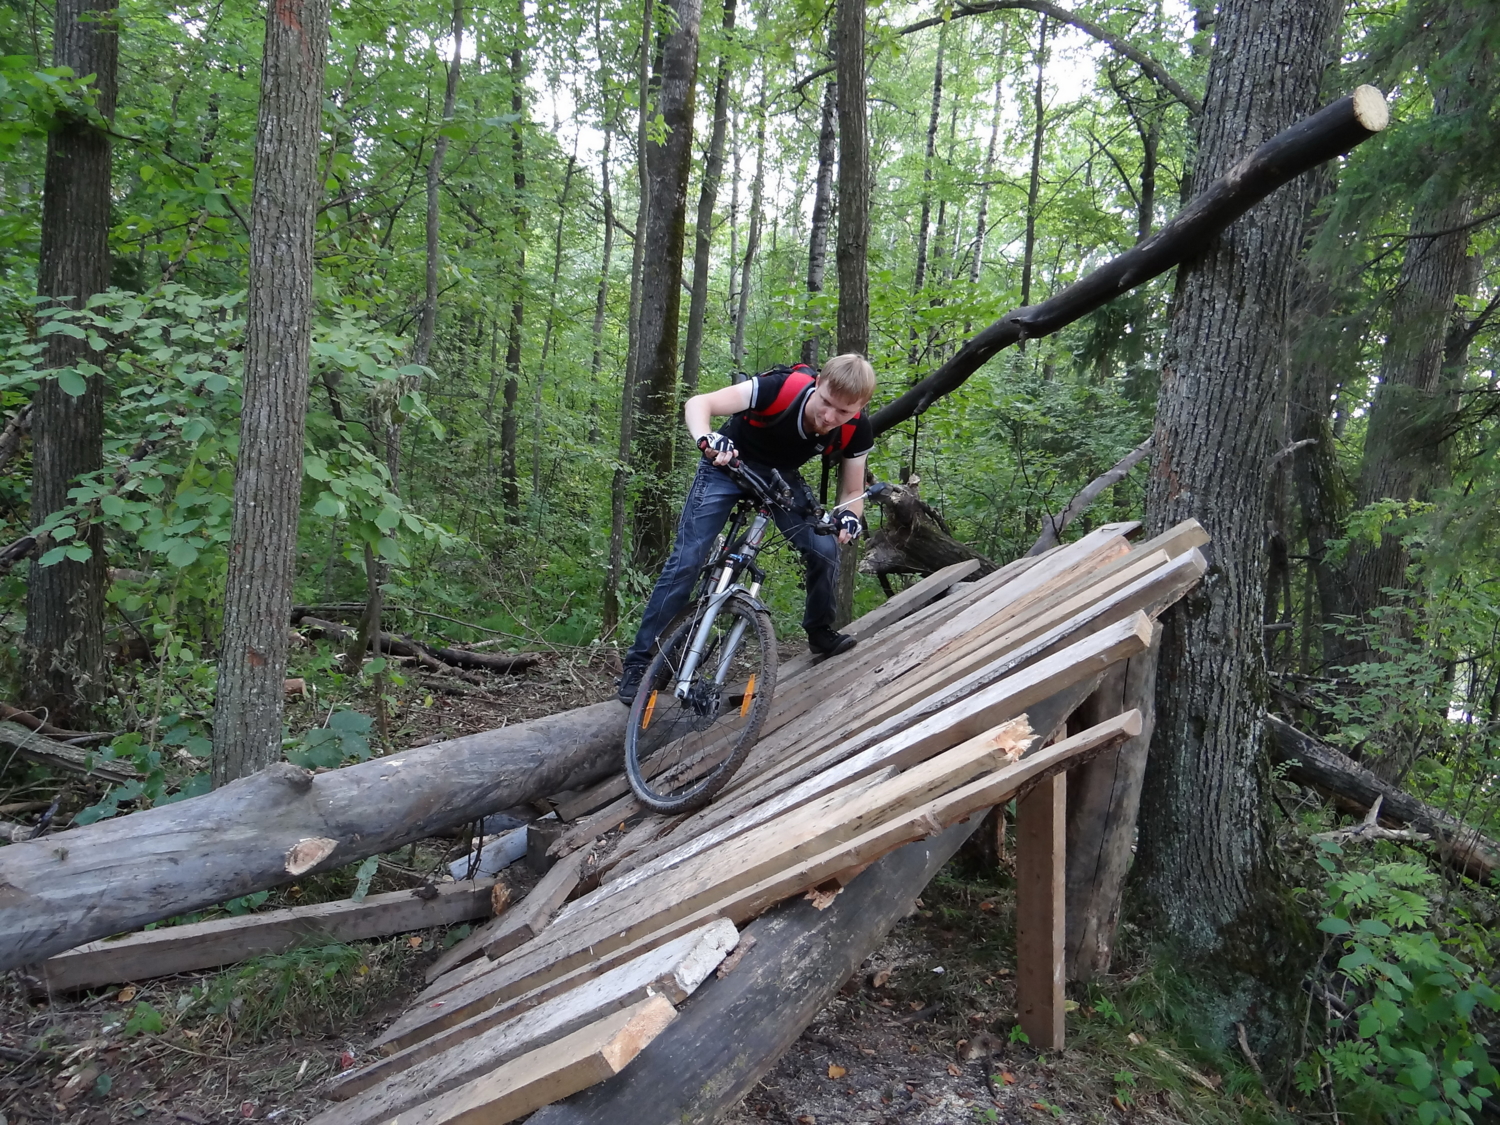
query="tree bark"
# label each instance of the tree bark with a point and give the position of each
(510, 489)
(1331, 131)
(268, 481)
(852, 248)
(64, 638)
(669, 164)
(120, 874)
(919, 277)
(1034, 183)
(427, 324)
(703, 234)
(817, 239)
(1202, 863)
(752, 233)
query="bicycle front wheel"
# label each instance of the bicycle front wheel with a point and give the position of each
(683, 742)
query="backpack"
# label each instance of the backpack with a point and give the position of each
(802, 375)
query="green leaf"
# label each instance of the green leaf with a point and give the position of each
(1335, 925)
(350, 721)
(78, 552)
(388, 519)
(53, 557)
(328, 506)
(363, 876)
(182, 553)
(52, 327)
(315, 467)
(71, 383)
(111, 505)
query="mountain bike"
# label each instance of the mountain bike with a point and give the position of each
(708, 689)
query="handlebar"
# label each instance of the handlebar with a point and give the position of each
(778, 494)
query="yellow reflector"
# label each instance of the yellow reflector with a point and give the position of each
(749, 695)
(649, 711)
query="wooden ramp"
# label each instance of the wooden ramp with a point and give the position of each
(926, 724)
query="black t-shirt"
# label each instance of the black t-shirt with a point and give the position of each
(785, 444)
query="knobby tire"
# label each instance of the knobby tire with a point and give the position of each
(679, 754)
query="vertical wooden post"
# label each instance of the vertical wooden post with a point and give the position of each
(1041, 816)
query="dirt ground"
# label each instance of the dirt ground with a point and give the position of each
(920, 1035)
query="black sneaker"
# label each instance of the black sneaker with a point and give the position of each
(630, 683)
(825, 642)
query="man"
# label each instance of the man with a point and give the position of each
(777, 421)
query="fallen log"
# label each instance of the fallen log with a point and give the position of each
(1322, 767)
(31, 722)
(264, 830)
(1331, 132)
(428, 655)
(733, 1029)
(75, 759)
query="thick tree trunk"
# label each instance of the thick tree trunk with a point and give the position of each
(268, 481)
(273, 826)
(822, 212)
(852, 248)
(1333, 130)
(670, 164)
(65, 601)
(703, 235)
(1202, 864)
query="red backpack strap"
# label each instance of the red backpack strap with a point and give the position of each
(799, 378)
(839, 441)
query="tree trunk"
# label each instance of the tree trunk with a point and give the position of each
(64, 637)
(919, 277)
(703, 235)
(852, 249)
(817, 240)
(670, 164)
(619, 486)
(427, 324)
(601, 300)
(268, 481)
(510, 490)
(752, 235)
(1202, 864)
(540, 381)
(1034, 184)
(124, 873)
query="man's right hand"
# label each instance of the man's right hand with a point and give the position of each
(717, 448)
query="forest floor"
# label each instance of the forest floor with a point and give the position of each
(921, 1035)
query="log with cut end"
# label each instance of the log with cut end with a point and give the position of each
(1329, 133)
(117, 875)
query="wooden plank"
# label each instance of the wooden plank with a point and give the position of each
(735, 1028)
(434, 1066)
(854, 739)
(520, 923)
(575, 1062)
(1041, 813)
(223, 941)
(911, 599)
(600, 939)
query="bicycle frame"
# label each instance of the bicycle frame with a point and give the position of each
(733, 561)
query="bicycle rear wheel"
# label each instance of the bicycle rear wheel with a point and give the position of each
(679, 752)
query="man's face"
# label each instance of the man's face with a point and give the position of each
(826, 410)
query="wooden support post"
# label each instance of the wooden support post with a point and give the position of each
(1041, 815)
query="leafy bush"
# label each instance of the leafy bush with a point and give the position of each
(1406, 1047)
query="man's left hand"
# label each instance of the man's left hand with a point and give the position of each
(849, 527)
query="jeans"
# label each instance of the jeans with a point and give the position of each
(704, 515)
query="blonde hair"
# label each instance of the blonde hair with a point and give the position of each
(849, 376)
